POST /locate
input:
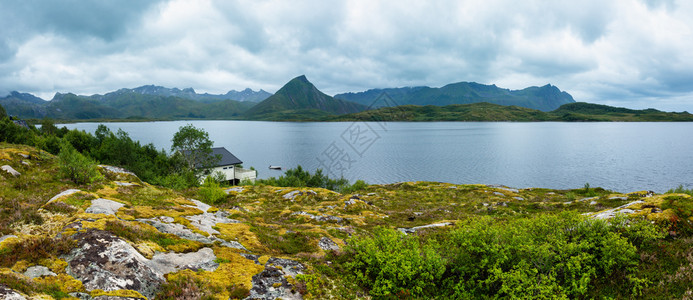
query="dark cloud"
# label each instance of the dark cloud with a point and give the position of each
(630, 51)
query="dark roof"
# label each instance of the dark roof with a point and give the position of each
(227, 158)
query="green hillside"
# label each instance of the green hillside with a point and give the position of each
(299, 96)
(572, 112)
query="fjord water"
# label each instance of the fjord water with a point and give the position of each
(623, 157)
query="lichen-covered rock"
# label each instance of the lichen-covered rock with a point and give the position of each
(118, 174)
(165, 263)
(10, 294)
(63, 194)
(104, 206)
(10, 170)
(272, 283)
(610, 213)
(326, 243)
(104, 261)
(38, 271)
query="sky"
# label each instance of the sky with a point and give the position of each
(629, 53)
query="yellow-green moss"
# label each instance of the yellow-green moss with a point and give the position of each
(151, 212)
(241, 233)
(236, 270)
(117, 293)
(66, 283)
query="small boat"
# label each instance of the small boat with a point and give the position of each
(275, 167)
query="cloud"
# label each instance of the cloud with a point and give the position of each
(632, 52)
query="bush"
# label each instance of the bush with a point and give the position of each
(393, 264)
(210, 192)
(299, 177)
(76, 167)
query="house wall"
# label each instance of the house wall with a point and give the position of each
(229, 172)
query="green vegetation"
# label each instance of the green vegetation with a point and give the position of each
(571, 112)
(77, 167)
(547, 256)
(478, 241)
(298, 177)
(680, 190)
(194, 148)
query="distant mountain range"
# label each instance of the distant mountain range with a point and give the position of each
(299, 99)
(545, 98)
(189, 93)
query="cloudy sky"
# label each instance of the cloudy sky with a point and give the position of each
(632, 53)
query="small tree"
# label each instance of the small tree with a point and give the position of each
(195, 149)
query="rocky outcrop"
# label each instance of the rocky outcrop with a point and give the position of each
(10, 170)
(38, 271)
(414, 229)
(610, 213)
(165, 263)
(10, 294)
(272, 284)
(104, 261)
(104, 206)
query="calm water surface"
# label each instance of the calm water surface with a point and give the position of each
(623, 157)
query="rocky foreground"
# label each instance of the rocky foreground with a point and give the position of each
(125, 239)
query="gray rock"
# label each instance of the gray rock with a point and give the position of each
(185, 233)
(81, 296)
(618, 198)
(26, 163)
(237, 189)
(64, 193)
(588, 199)
(610, 213)
(115, 298)
(26, 156)
(10, 170)
(326, 243)
(117, 170)
(206, 221)
(519, 198)
(165, 263)
(292, 195)
(104, 206)
(7, 293)
(505, 188)
(271, 283)
(322, 218)
(104, 261)
(38, 271)
(593, 203)
(122, 183)
(371, 194)
(4, 237)
(414, 229)
(499, 194)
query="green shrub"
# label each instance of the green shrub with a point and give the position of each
(210, 192)
(546, 256)
(391, 264)
(76, 167)
(680, 190)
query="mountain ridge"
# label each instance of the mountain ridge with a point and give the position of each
(544, 98)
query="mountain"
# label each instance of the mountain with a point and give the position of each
(571, 112)
(121, 104)
(545, 98)
(300, 99)
(189, 93)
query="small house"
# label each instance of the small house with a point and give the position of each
(230, 166)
